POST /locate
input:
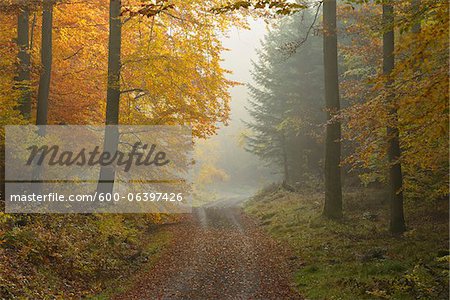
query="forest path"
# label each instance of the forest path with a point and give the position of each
(217, 253)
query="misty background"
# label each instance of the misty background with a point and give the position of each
(229, 170)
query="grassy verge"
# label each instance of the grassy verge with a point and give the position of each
(357, 258)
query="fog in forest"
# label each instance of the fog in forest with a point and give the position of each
(239, 173)
(239, 149)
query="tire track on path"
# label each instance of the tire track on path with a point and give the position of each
(217, 253)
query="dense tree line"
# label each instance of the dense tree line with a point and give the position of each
(367, 66)
(286, 102)
(100, 62)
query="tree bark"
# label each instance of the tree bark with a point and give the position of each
(397, 221)
(114, 65)
(46, 61)
(23, 58)
(107, 173)
(333, 189)
(44, 80)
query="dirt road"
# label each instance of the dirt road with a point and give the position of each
(217, 253)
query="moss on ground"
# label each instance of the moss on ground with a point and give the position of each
(357, 258)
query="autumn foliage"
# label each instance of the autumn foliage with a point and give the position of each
(171, 73)
(420, 89)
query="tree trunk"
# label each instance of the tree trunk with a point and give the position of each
(285, 159)
(107, 173)
(46, 61)
(114, 46)
(397, 221)
(333, 189)
(44, 81)
(23, 58)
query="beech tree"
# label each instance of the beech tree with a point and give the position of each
(333, 189)
(46, 61)
(111, 137)
(397, 220)
(24, 62)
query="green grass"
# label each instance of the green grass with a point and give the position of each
(357, 258)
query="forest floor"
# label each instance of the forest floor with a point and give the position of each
(217, 253)
(357, 258)
(278, 246)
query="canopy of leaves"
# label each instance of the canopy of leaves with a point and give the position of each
(171, 71)
(420, 86)
(277, 7)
